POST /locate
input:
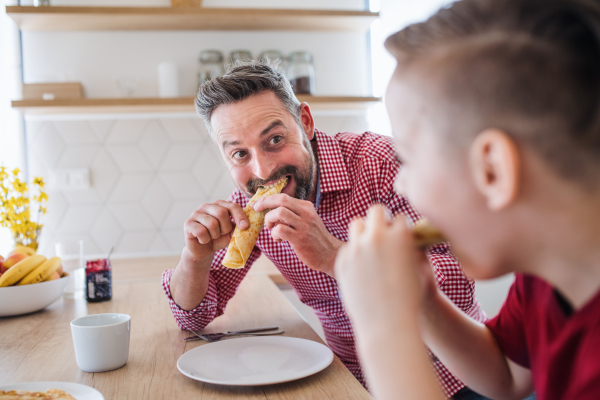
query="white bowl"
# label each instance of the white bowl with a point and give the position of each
(17, 300)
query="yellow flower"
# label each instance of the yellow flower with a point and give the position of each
(15, 203)
(38, 181)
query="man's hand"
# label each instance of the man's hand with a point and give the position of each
(206, 231)
(297, 222)
(209, 228)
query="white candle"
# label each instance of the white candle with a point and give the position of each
(168, 81)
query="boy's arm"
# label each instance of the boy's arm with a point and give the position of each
(376, 273)
(470, 351)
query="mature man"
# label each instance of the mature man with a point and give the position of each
(264, 134)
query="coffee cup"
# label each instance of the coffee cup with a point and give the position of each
(101, 341)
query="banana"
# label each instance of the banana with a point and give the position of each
(42, 272)
(23, 250)
(52, 277)
(20, 269)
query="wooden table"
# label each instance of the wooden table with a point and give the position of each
(38, 347)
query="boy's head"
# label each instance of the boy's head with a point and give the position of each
(494, 102)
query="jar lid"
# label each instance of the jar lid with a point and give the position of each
(301, 56)
(211, 56)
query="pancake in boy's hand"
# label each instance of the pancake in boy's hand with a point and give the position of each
(426, 234)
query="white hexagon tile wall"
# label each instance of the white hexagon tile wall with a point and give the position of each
(147, 176)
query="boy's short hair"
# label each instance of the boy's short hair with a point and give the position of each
(528, 67)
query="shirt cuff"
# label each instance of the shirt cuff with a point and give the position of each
(200, 316)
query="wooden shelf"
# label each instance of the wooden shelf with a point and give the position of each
(58, 18)
(180, 104)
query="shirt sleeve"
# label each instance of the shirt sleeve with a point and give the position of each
(222, 285)
(508, 326)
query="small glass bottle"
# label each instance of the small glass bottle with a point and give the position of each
(211, 65)
(301, 72)
(98, 280)
(240, 55)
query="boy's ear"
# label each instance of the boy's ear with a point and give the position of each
(495, 164)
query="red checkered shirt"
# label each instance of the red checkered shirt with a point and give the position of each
(356, 171)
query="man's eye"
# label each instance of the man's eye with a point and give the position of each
(276, 139)
(238, 155)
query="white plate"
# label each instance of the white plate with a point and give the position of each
(255, 361)
(80, 392)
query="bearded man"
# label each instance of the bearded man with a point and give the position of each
(264, 134)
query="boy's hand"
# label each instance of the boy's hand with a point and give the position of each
(380, 273)
(381, 270)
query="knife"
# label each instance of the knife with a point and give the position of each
(264, 329)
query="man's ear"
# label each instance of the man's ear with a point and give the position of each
(495, 164)
(307, 121)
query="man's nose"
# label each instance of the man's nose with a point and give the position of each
(262, 167)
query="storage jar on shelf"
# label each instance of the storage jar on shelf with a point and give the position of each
(301, 72)
(211, 65)
(240, 55)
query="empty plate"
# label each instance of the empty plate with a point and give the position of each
(255, 361)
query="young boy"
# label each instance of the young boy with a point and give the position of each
(495, 106)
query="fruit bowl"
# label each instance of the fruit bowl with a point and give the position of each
(17, 300)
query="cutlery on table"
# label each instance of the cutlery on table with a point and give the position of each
(214, 337)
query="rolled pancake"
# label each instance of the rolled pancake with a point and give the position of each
(426, 234)
(242, 242)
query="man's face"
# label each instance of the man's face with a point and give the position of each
(436, 179)
(261, 142)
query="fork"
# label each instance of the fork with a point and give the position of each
(215, 337)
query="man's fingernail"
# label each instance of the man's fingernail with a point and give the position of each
(243, 224)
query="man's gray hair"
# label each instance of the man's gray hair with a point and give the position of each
(243, 80)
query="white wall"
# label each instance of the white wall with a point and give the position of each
(150, 171)
(98, 59)
(12, 152)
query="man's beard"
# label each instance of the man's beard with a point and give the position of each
(304, 177)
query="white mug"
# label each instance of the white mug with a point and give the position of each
(101, 341)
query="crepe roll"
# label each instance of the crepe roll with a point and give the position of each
(426, 234)
(243, 241)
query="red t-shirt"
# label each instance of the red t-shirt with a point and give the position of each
(539, 330)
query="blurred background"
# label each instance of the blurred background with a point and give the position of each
(126, 173)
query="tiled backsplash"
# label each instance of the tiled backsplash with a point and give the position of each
(147, 176)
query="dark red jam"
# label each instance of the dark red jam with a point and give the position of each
(98, 280)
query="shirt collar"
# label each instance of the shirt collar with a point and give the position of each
(333, 174)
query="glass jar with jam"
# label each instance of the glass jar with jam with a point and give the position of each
(98, 280)
(301, 72)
